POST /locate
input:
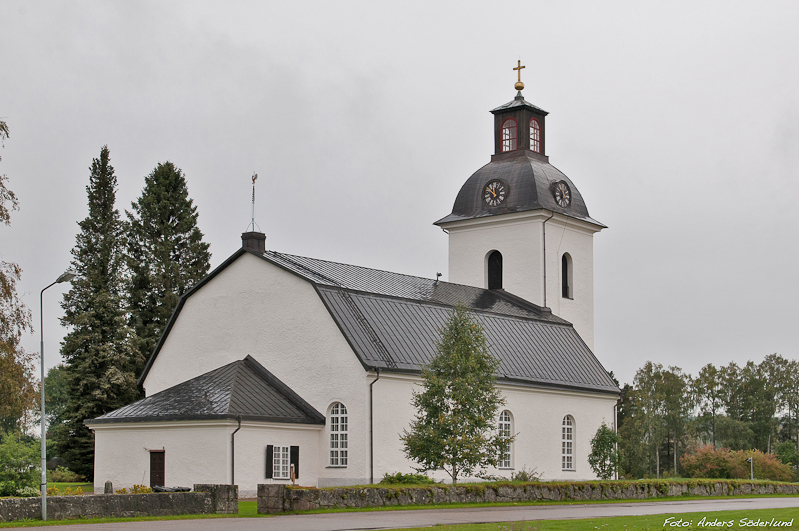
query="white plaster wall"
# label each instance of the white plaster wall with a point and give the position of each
(519, 237)
(256, 308)
(567, 236)
(194, 453)
(251, 443)
(200, 452)
(537, 417)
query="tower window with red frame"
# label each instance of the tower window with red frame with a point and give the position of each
(509, 135)
(535, 135)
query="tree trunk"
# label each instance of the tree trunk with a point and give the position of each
(675, 455)
(657, 459)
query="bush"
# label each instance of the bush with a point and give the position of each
(411, 479)
(28, 492)
(19, 465)
(721, 463)
(63, 475)
(527, 476)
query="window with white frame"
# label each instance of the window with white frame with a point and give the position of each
(338, 435)
(280, 462)
(567, 443)
(535, 135)
(505, 430)
(509, 135)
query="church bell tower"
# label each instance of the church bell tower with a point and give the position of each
(520, 225)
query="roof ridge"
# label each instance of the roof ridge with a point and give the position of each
(282, 388)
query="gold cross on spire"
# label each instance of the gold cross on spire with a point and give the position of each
(519, 85)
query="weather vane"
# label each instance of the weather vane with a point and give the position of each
(519, 85)
(252, 221)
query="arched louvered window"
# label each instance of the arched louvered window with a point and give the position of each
(535, 135)
(495, 270)
(566, 272)
(509, 135)
(567, 443)
(338, 435)
(505, 429)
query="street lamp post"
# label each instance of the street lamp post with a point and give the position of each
(64, 277)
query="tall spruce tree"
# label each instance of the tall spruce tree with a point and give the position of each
(166, 253)
(98, 352)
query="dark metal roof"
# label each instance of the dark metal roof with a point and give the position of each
(529, 183)
(243, 389)
(378, 282)
(517, 102)
(401, 334)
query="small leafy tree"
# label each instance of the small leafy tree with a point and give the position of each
(455, 428)
(19, 463)
(605, 455)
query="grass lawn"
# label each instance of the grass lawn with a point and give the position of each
(625, 523)
(641, 523)
(88, 488)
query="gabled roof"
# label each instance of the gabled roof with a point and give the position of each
(392, 322)
(379, 282)
(240, 390)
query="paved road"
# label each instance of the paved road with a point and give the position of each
(422, 518)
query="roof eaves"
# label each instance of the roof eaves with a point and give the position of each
(227, 416)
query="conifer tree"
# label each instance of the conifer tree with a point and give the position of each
(98, 352)
(166, 253)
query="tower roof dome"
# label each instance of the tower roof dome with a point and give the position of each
(530, 184)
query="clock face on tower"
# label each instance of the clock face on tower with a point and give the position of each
(494, 193)
(563, 196)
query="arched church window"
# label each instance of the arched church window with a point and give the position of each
(338, 435)
(505, 429)
(509, 135)
(566, 271)
(495, 270)
(567, 443)
(535, 135)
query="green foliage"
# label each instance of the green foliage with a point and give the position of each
(709, 462)
(166, 254)
(28, 492)
(526, 476)
(787, 454)
(56, 394)
(604, 456)
(98, 353)
(63, 475)
(19, 464)
(410, 479)
(455, 427)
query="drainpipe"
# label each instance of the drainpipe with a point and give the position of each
(544, 227)
(233, 452)
(372, 431)
(616, 429)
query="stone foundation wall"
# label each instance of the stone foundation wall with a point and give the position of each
(216, 499)
(280, 498)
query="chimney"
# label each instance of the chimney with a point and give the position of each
(254, 241)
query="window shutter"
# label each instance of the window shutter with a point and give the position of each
(294, 459)
(269, 458)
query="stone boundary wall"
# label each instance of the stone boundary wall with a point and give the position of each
(280, 498)
(207, 499)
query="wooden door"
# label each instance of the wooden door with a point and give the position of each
(157, 469)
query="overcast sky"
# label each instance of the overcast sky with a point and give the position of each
(677, 121)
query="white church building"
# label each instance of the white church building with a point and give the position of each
(275, 359)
